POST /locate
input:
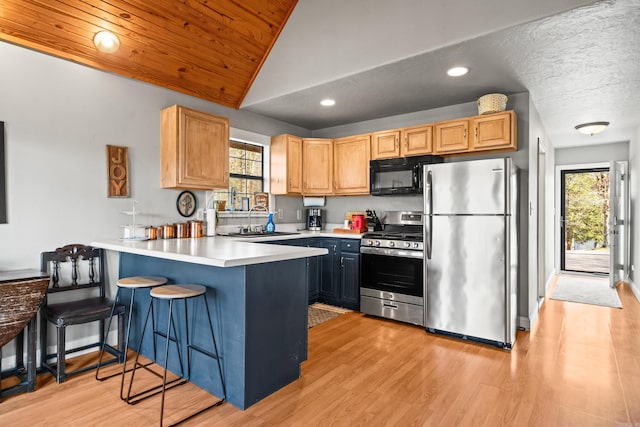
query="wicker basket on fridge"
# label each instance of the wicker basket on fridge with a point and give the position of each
(492, 103)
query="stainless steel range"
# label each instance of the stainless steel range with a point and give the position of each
(391, 266)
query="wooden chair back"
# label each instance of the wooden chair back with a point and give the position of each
(85, 269)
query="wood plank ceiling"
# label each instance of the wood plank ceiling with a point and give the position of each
(210, 49)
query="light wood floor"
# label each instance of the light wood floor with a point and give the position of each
(580, 366)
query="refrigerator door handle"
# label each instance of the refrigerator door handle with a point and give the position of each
(429, 212)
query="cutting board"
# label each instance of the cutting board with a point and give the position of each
(346, 231)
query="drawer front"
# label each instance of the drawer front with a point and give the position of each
(400, 311)
(350, 245)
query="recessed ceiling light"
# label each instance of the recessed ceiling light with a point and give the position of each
(106, 41)
(328, 102)
(592, 128)
(457, 71)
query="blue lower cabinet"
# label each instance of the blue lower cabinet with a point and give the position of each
(329, 271)
(350, 280)
(340, 273)
(333, 278)
(313, 274)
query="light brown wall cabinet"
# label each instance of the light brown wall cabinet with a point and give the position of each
(494, 131)
(385, 144)
(194, 149)
(351, 157)
(452, 137)
(286, 165)
(413, 141)
(416, 141)
(317, 166)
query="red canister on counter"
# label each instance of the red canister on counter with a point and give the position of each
(357, 222)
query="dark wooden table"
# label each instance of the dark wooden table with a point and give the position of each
(21, 293)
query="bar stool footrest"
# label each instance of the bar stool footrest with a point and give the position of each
(204, 351)
(117, 374)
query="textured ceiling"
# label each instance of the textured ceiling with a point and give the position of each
(578, 65)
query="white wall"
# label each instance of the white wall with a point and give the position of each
(59, 116)
(592, 153)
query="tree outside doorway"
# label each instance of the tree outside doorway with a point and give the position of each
(586, 221)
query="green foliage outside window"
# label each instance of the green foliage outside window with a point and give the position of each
(245, 174)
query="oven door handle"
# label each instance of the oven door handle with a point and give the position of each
(387, 305)
(400, 253)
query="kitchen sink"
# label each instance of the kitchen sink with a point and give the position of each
(258, 234)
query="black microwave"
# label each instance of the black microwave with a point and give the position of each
(402, 175)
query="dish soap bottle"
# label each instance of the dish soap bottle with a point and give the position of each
(270, 227)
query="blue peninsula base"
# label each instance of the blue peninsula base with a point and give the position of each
(259, 315)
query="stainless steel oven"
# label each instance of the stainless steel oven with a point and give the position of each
(391, 276)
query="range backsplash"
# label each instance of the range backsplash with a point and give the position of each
(336, 207)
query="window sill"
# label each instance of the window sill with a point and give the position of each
(242, 214)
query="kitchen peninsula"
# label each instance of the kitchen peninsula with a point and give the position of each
(258, 295)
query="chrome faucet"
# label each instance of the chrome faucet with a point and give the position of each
(263, 207)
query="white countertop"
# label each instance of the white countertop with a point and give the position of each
(221, 251)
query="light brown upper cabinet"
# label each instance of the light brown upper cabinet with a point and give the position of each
(317, 166)
(194, 149)
(351, 157)
(385, 144)
(452, 136)
(413, 141)
(416, 141)
(286, 165)
(494, 131)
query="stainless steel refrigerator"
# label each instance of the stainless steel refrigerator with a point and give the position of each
(471, 255)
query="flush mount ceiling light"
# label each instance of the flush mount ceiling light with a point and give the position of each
(592, 128)
(457, 71)
(327, 102)
(106, 41)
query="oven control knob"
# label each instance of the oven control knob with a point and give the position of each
(391, 244)
(377, 242)
(407, 244)
(369, 242)
(416, 245)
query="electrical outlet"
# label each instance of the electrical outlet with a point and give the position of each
(200, 214)
(299, 214)
(280, 213)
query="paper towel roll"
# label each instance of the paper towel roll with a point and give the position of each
(211, 222)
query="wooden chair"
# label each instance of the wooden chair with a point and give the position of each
(80, 305)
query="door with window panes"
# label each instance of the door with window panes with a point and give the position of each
(245, 174)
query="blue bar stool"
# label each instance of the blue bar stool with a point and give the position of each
(172, 293)
(133, 284)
